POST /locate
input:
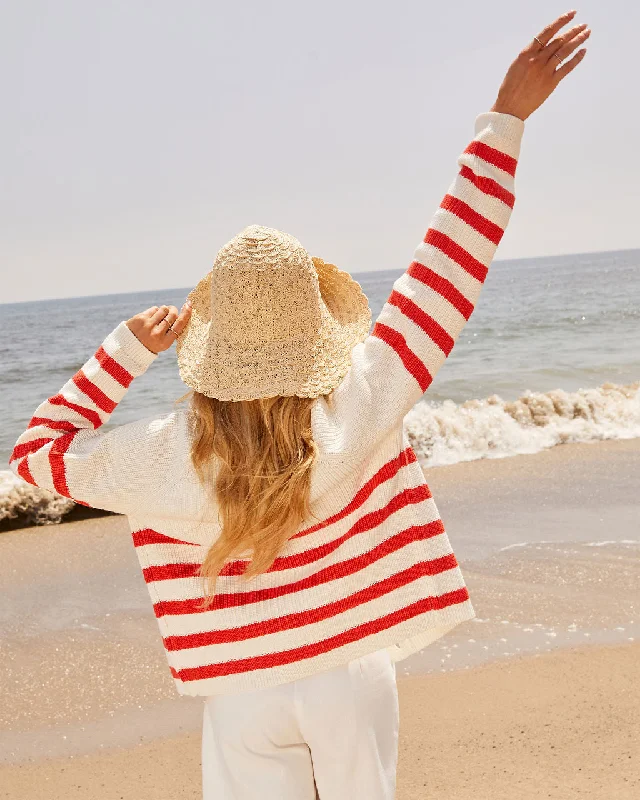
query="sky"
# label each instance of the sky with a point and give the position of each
(137, 138)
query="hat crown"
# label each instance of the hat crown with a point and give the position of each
(269, 320)
(264, 288)
(258, 247)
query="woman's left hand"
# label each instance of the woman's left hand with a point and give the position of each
(158, 327)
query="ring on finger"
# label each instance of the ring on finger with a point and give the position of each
(170, 329)
(168, 321)
(539, 42)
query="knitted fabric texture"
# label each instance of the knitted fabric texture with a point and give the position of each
(374, 568)
(269, 320)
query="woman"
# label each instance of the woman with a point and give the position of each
(290, 544)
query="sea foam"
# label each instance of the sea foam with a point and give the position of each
(448, 432)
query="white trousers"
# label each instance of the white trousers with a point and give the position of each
(332, 736)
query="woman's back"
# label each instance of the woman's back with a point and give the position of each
(373, 567)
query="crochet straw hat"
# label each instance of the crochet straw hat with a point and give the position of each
(269, 320)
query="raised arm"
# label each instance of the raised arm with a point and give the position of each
(64, 448)
(433, 300)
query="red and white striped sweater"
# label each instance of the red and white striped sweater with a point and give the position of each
(375, 568)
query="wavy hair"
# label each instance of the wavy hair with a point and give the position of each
(254, 459)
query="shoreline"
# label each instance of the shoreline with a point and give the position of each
(560, 725)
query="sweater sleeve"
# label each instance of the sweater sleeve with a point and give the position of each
(434, 298)
(63, 448)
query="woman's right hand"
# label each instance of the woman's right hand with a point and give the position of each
(540, 67)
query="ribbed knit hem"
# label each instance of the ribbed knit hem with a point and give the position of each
(125, 347)
(502, 132)
(502, 124)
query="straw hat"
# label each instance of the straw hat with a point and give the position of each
(270, 320)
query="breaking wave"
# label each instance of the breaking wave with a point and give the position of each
(495, 428)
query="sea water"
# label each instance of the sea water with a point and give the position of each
(550, 354)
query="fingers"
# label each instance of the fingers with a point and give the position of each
(158, 315)
(564, 45)
(163, 325)
(569, 65)
(171, 317)
(547, 34)
(182, 319)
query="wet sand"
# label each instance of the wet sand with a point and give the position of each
(538, 693)
(564, 725)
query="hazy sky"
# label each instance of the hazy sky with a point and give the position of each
(138, 137)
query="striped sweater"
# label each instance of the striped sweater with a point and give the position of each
(374, 567)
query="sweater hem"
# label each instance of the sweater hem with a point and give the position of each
(401, 641)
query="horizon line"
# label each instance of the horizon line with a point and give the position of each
(354, 274)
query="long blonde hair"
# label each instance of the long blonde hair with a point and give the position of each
(262, 452)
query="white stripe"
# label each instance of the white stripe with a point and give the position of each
(59, 414)
(157, 554)
(72, 393)
(38, 432)
(175, 589)
(435, 259)
(464, 235)
(490, 207)
(97, 375)
(417, 340)
(433, 303)
(125, 348)
(388, 603)
(436, 306)
(422, 628)
(501, 133)
(40, 467)
(488, 170)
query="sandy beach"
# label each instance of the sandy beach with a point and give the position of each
(536, 697)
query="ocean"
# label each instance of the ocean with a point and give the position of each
(550, 355)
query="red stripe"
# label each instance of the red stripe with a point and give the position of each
(57, 463)
(492, 156)
(463, 211)
(110, 365)
(442, 286)
(433, 329)
(149, 536)
(59, 468)
(24, 471)
(366, 523)
(456, 253)
(412, 363)
(317, 648)
(488, 186)
(28, 447)
(385, 473)
(299, 619)
(92, 391)
(54, 424)
(87, 413)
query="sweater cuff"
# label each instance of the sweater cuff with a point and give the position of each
(125, 348)
(503, 131)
